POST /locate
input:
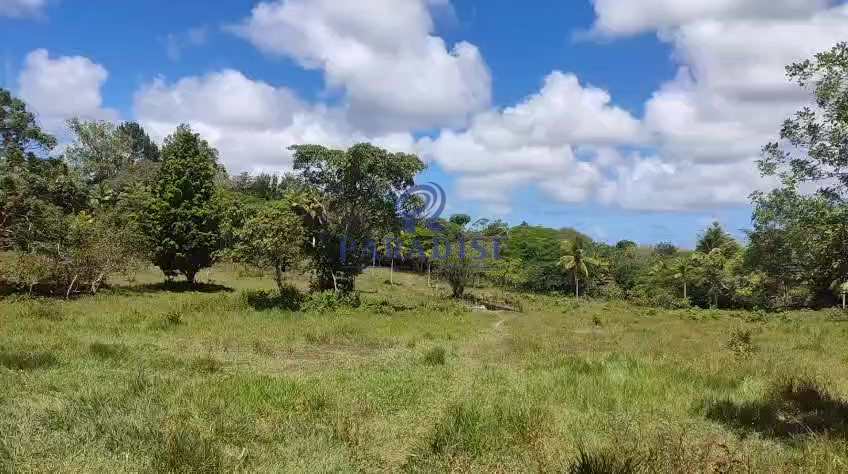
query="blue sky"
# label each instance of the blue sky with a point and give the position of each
(636, 119)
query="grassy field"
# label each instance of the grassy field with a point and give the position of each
(142, 379)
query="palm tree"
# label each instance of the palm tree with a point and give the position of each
(576, 261)
(683, 268)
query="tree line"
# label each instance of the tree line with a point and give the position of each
(112, 200)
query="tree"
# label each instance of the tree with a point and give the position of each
(23, 188)
(813, 144)
(460, 220)
(577, 262)
(683, 268)
(714, 237)
(141, 147)
(110, 157)
(810, 231)
(625, 244)
(665, 249)
(358, 189)
(184, 218)
(273, 238)
(458, 271)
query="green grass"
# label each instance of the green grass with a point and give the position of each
(150, 378)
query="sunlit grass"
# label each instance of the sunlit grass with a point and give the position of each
(152, 379)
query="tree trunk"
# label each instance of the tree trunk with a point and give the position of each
(392, 273)
(577, 287)
(428, 274)
(278, 277)
(685, 294)
(843, 300)
(71, 287)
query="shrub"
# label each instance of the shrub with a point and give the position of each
(608, 291)
(741, 342)
(458, 272)
(435, 356)
(325, 301)
(289, 298)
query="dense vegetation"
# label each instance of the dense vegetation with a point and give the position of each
(111, 200)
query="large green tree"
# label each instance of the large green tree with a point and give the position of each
(355, 198)
(184, 217)
(802, 238)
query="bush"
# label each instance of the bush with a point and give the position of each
(328, 300)
(662, 300)
(435, 356)
(608, 291)
(741, 342)
(458, 273)
(290, 298)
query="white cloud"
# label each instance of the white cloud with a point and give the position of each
(729, 98)
(21, 8)
(252, 123)
(624, 17)
(63, 87)
(532, 143)
(651, 183)
(395, 74)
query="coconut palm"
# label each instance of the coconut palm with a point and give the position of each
(683, 268)
(577, 262)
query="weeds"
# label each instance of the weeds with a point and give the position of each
(435, 356)
(27, 360)
(741, 343)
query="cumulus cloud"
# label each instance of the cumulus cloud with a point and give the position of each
(624, 17)
(729, 98)
(63, 87)
(395, 74)
(252, 123)
(532, 142)
(21, 8)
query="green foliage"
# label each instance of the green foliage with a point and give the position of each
(184, 217)
(577, 263)
(355, 198)
(715, 238)
(329, 301)
(458, 271)
(435, 356)
(274, 238)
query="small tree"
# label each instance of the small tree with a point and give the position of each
(184, 216)
(843, 288)
(274, 238)
(458, 271)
